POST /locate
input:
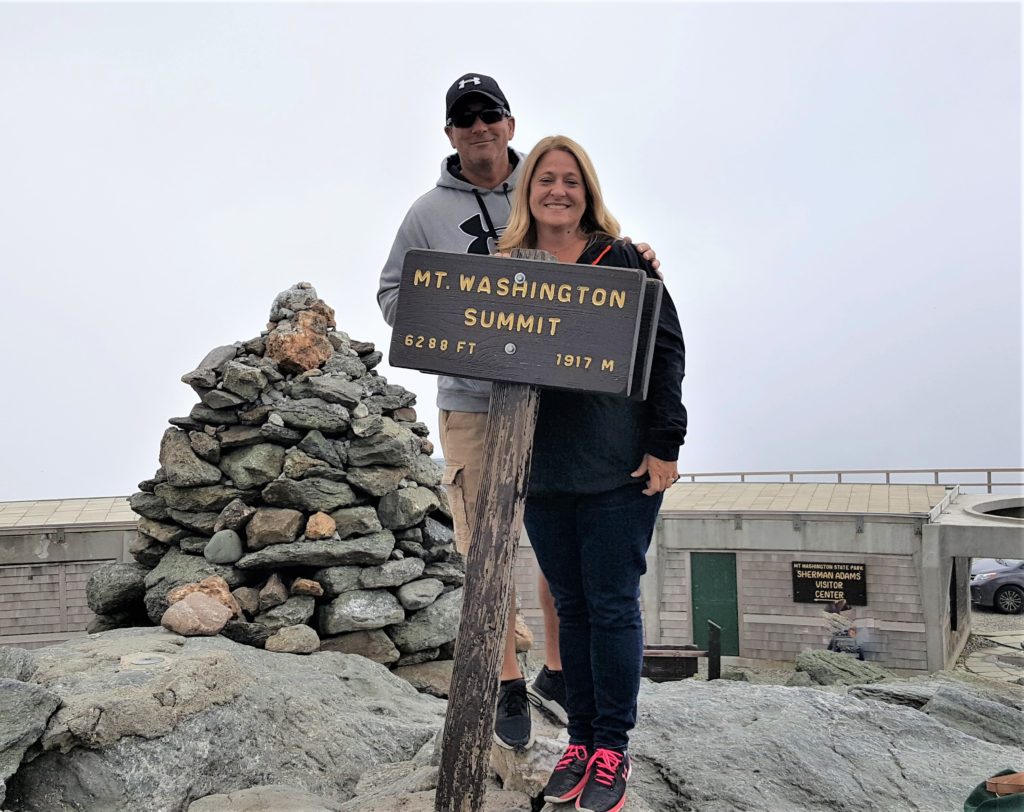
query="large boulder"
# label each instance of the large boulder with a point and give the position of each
(24, 711)
(836, 668)
(431, 627)
(151, 720)
(115, 588)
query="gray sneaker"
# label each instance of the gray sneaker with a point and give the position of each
(547, 692)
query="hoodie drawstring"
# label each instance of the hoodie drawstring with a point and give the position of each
(487, 215)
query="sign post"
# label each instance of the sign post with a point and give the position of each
(522, 323)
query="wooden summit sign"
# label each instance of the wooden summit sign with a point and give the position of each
(523, 323)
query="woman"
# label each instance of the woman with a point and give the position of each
(600, 467)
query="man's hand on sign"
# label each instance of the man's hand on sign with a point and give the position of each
(661, 474)
(647, 253)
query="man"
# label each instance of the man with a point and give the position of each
(466, 212)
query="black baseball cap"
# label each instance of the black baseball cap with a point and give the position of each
(474, 84)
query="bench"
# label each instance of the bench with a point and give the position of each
(667, 663)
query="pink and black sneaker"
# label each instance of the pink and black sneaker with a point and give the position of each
(604, 789)
(569, 775)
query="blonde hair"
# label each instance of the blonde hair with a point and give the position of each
(521, 231)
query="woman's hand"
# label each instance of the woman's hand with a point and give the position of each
(660, 474)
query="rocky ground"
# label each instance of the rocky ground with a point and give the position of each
(147, 719)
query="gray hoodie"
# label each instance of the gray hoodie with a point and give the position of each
(459, 217)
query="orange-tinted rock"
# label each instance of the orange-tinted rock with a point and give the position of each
(305, 586)
(320, 526)
(300, 344)
(196, 615)
(214, 587)
(524, 637)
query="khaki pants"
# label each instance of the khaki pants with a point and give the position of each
(462, 442)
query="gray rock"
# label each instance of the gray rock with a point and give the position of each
(293, 612)
(300, 296)
(273, 593)
(201, 523)
(431, 627)
(300, 639)
(273, 526)
(365, 550)
(309, 494)
(367, 426)
(331, 387)
(205, 446)
(177, 568)
(224, 548)
(164, 532)
(24, 711)
(245, 381)
(351, 368)
(313, 413)
(248, 599)
(180, 464)
(406, 507)
(253, 466)
(426, 655)
(356, 521)
(204, 415)
(436, 534)
(249, 634)
(376, 480)
(206, 373)
(336, 580)
(18, 663)
(420, 594)
(986, 710)
(272, 798)
(813, 750)
(316, 723)
(136, 616)
(799, 679)
(148, 505)
(373, 644)
(240, 436)
(234, 516)
(448, 573)
(115, 588)
(833, 668)
(280, 434)
(147, 551)
(210, 498)
(316, 445)
(195, 545)
(360, 609)
(300, 465)
(391, 573)
(434, 677)
(424, 471)
(222, 399)
(392, 445)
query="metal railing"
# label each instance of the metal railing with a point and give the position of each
(976, 480)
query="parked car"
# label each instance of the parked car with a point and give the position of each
(999, 583)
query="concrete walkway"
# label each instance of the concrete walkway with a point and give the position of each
(1004, 661)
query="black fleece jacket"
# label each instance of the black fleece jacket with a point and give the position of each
(586, 443)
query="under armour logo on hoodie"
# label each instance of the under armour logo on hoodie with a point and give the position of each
(472, 80)
(476, 228)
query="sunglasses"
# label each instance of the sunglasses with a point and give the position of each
(492, 115)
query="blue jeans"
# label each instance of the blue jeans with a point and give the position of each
(592, 548)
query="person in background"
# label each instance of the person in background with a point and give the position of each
(466, 212)
(600, 466)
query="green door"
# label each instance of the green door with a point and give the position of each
(713, 597)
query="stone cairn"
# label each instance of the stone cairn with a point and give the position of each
(296, 508)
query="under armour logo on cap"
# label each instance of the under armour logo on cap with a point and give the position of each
(474, 84)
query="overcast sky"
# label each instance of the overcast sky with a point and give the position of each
(833, 190)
